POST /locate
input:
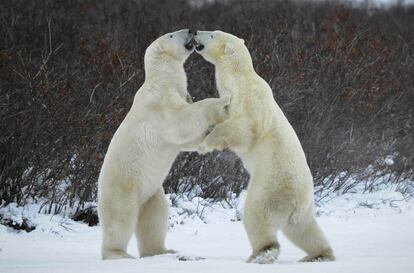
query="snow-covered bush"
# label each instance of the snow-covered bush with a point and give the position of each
(16, 217)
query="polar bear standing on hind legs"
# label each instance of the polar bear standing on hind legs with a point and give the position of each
(280, 191)
(160, 123)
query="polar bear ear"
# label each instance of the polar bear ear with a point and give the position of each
(229, 49)
(242, 40)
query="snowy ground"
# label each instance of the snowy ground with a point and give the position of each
(370, 3)
(369, 233)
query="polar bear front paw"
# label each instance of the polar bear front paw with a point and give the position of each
(210, 129)
(222, 110)
(212, 142)
(203, 148)
(227, 100)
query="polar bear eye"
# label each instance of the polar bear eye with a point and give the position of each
(211, 36)
(171, 36)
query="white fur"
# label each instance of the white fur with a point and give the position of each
(160, 123)
(280, 192)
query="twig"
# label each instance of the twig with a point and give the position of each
(129, 79)
(51, 51)
(93, 92)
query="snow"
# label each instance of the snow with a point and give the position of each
(371, 232)
(382, 3)
(370, 3)
(389, 160)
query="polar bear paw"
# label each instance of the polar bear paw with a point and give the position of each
(325, 256)
(116, 254)
(268, 256)
(211, 142)
(158, 252)
(170, 251)
(227, 100)
(189, 258)
(207, 146)
(203, 148)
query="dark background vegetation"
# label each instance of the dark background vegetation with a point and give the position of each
(69, 70)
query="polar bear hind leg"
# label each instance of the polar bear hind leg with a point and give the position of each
(308, 236)
(262, 222)
(153, 226)
(118, 224)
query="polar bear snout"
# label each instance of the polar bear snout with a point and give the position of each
(199, 39)
(183, 38)
(189, 46)
(189, 41)
(199, 47)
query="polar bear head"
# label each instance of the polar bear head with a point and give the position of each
(174, 46)
(219, 47)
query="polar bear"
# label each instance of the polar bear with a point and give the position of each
(160, 123)
(280, 191)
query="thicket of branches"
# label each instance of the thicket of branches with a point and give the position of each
(69, 71)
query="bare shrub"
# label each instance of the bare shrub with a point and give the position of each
(69, 71)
